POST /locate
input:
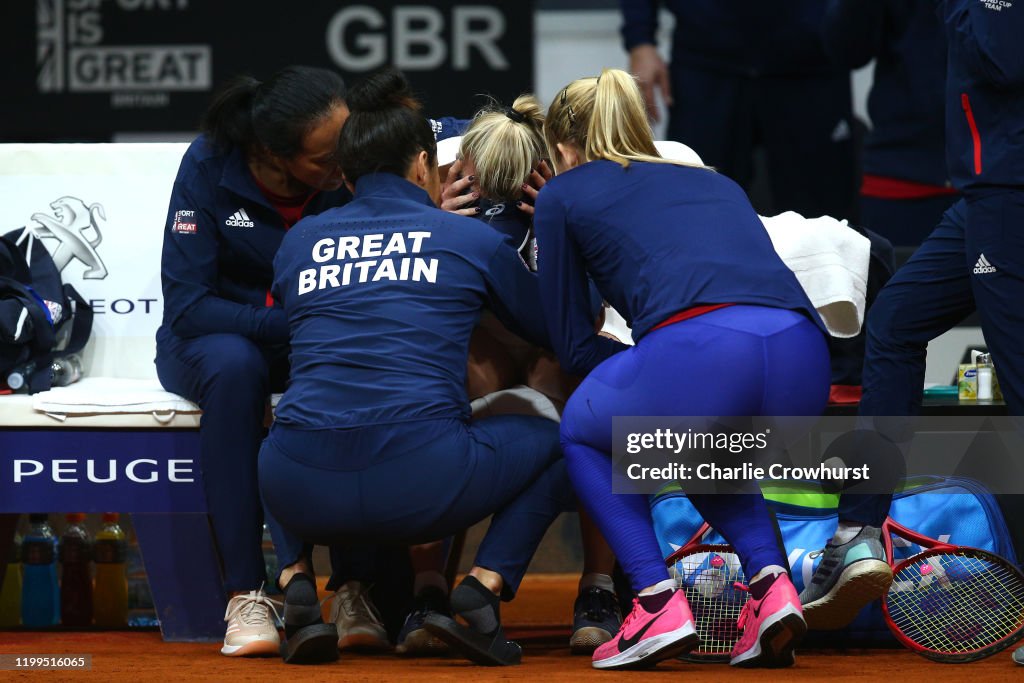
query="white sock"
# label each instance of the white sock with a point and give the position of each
(845, 532)
(429, 579)
(602, 581)
(771, 569)
(666, 585)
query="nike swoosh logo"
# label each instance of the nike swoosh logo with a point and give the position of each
(626, 643)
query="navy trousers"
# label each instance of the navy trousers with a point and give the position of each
(420, 481)
(805, 125)
(937, 288)
(230, 377)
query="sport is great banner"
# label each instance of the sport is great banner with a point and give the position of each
(84, 69)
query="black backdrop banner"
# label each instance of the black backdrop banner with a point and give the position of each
(85, 69)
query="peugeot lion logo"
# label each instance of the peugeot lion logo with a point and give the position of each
(71, 219)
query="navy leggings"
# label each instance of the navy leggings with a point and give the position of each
(735, 361)
(420, 481)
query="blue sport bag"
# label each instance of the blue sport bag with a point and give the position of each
(950, 509)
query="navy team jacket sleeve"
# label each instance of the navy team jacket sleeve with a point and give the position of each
(566, 304)
(189, 274)
(513, 292)
(853, 30)
(445, 127)
(639, 22)
(989, 33)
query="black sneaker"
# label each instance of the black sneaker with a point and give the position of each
(414, 640)
(596, 619)
(308, 640)
(849, 577)
(489, 650)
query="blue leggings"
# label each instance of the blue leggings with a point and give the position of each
(736, 361)
(417, 482)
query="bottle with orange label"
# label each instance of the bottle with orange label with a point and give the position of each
(110, 596)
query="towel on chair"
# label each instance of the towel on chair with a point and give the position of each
(830, 260)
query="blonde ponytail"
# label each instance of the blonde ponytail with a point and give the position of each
(605, 118)
(505, 146)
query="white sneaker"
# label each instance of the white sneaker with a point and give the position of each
(359, 625)
(252, 631)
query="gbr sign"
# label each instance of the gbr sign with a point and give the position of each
(417, 38)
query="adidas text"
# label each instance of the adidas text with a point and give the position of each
(239, 219)
(983, 267)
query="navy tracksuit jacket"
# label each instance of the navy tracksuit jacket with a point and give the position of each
(372, 438)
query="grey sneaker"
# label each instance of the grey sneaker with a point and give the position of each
(359, 624)
(849, 577)
(1018, 655)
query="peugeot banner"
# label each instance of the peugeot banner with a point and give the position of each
(85, 69)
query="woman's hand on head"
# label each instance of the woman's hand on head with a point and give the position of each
(454, 195)
(533, 185)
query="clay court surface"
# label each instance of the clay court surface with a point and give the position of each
(538, 619)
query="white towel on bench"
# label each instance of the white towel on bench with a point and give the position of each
(103, 395)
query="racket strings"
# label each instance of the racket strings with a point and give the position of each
(956, 602)
(712, 580)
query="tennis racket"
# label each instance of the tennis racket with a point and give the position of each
(952, 603)
(712, 579)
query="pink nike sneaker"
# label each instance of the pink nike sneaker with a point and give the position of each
(644, 639)
(772, 627)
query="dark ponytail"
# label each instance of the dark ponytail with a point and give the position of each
(276, 114)
(228, 119)
(385, 130)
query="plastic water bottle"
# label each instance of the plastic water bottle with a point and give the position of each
(110, 597)
(40, 599)
(984, 367)
(17, 379)
(75, 577)
(140, 601)
(10, 592)
(66, 370)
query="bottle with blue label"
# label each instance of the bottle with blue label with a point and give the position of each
(10, 592)
(40, 594)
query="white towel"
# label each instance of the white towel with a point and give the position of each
(111, 395)
(830, 260)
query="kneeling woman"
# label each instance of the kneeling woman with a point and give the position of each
(372, 439)
(723, 328)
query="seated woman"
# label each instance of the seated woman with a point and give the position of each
(679, 251)
(372, 439)
(502, 151)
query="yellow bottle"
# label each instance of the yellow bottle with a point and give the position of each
(10, 592)
(110, 594)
